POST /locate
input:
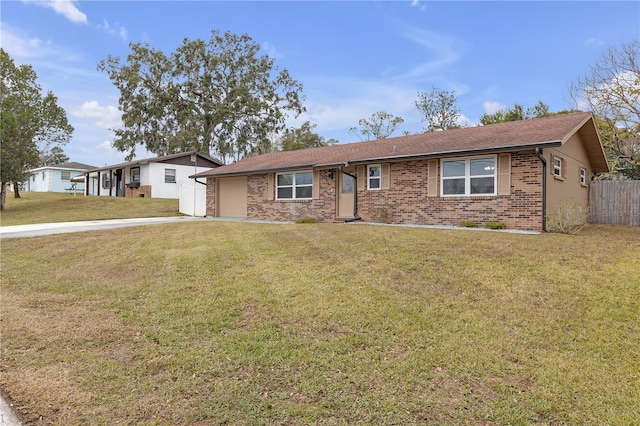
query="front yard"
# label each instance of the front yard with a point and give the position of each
(240, 323)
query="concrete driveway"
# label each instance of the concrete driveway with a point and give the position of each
(19, 231)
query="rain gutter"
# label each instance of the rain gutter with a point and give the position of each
(544, 187)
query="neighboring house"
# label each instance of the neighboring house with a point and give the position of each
(56, 178)
(511, 172)
(158, 177)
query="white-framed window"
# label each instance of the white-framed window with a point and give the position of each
(135, 174)
(469, 176)
(294, 186)
(583, 176)
(557, 166)
(374, 176)
(66, 175)
(169, 175)
(105, 181)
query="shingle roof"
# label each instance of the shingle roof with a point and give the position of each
(72, 165)
(154, 160)
(510, 136)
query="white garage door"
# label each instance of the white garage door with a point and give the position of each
(232, 197)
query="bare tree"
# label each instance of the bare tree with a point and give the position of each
(438, 109)
(380, 126)
(611, 90)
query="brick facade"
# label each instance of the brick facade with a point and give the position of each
(407, 199)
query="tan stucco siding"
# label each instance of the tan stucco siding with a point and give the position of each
(568, 188)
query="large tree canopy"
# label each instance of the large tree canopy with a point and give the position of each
(29, 122)
(380, 126)
(516, 113)
(220, 97)
(303, 137)
(439, 109)
(611, 90)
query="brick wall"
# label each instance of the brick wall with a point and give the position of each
(211, 198)
(260, 207)
(407, 200)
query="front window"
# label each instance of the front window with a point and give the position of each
(105, 181)
(373, 176)
(469, 176)
(135, 174)
(66, 175)
(294, 186)
(169, 175)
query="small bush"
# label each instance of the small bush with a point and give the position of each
(569, 218)
(468, 224)
(495, 225)
(307, 220)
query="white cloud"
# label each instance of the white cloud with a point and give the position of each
(417, 4)
(271, 50)
(442, 49)
(106, 117)
(358, 99)
(594, 41)
(21, 47)
(66, 8)
(88, 154)
(115, 29)
(492, 107)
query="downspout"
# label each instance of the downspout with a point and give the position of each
(355, 196)
(544, 188)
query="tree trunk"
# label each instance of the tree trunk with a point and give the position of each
(3, 194)
(16, 190)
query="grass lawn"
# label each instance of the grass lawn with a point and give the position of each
(44, 207)
(249, 324)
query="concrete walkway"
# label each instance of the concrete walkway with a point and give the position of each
(7, 416)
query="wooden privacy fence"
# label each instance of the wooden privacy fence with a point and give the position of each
(615, 202)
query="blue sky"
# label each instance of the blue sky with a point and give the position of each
(353, 58)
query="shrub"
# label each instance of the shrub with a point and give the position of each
(307, 220)
(467, 224)
(495, 225)
(569, 218)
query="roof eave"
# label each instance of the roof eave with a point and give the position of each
(451, 153)
(212, 172)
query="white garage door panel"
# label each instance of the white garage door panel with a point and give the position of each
(232, 197)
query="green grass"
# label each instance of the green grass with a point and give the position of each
(45, 207)
(240, 323)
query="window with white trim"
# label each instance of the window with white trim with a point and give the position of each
(294, 186)
(65, 175)
(374, 176)
(135, 174)
(169, 175)
(583, 176)
(469, 176)
(105, 181)
(557, 166)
